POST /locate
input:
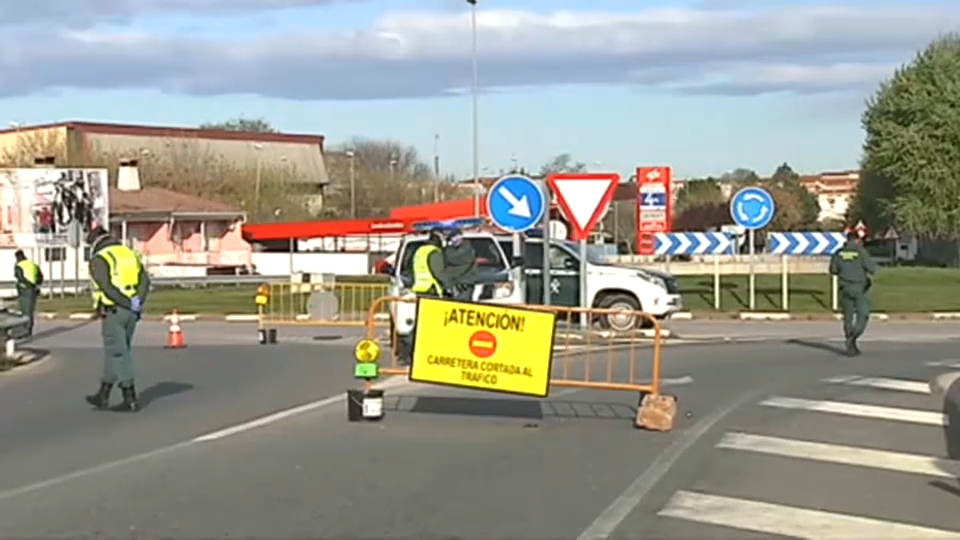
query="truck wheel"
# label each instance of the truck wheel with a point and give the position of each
(620, 322)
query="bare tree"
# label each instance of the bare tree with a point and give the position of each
(250, 125)
(370, 177)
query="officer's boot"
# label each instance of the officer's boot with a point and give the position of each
(101, 399)
(130, 403)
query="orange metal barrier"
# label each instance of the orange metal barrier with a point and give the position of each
(319, 304)
(600, 360)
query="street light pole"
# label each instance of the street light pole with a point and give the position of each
(436, 168)
(475, 91)
(353, 184)
(256, 190)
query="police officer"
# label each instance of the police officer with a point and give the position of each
(854, 269)
(119, 286)
(429, 277)
(29, 278)
(460, 265)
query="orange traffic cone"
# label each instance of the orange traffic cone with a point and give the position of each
(175, 335)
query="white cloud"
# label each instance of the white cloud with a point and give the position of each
(85, 13)
(702, 50)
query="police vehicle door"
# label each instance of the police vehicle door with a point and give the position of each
(564, 275)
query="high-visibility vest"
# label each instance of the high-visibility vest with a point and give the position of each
(124, 267)
(31, 272)
(423, 279)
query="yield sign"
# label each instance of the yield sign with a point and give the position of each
(583, 198)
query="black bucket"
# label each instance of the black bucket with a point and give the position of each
(267, 336)
(364, 405)
(354, 405)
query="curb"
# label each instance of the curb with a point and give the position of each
(781, 316)
(679, 316)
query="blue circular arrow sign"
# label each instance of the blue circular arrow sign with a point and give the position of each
(752, 208)
(516, 203)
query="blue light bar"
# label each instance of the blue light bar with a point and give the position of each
(450, 225)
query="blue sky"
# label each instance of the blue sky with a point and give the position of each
(704, 86)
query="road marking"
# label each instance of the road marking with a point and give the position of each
(611, 518)
(788, 520)
(914, 416)
(841, 454)
(945, 363)
(395, 382)
(899, 385)
(284, 414)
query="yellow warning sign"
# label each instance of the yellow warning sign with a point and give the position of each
(483, 346)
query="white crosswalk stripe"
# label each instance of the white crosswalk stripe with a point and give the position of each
(902, 385)
(766, 511)
(789, 521)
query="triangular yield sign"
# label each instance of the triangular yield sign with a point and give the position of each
(583, 198)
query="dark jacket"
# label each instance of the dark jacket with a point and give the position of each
(100, 273)
(852, 265)
(460, 263)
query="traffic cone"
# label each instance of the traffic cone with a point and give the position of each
(175, 335)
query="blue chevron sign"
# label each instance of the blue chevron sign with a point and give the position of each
(805, 243)
(692, 243)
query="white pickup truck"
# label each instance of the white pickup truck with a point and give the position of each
(608, 286)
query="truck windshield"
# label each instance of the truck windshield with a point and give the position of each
(595, 254)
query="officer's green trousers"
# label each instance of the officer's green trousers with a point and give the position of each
(27, 298)
(116, 329)
(856, 310)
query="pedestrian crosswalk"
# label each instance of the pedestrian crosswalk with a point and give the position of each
(824, 468)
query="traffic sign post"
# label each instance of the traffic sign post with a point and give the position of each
(516, 204)
(584, 199)
(752, 208)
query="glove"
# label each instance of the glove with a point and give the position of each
(136, 305)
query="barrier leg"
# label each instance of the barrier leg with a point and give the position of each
(657, 412)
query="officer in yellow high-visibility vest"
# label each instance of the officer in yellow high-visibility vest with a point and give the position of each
(29, 278)
(119, 286)
(429, 278)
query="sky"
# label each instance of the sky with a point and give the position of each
(703, 86)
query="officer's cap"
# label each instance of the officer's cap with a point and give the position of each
(96, 233)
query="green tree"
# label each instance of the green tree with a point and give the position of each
(911, 156)
(562, 163)
(789, 181)
(697, 193)
(250, 125)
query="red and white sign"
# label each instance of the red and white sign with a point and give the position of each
(654, 205)
(583, 198)
(483, 344)
(859, 228)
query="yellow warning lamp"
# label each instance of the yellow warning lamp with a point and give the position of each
(263, 295)
(367, 351)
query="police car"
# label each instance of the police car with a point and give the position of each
(500, 281)
(608, 286)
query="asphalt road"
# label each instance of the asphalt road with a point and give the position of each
(454, 463)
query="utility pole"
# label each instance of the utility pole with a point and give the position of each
(475, 92)
(436, 167)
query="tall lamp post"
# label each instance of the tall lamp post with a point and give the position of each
(257, 147)
(352, 155)
(475, 91)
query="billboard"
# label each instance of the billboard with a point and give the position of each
(654, 206)
(38, 206)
